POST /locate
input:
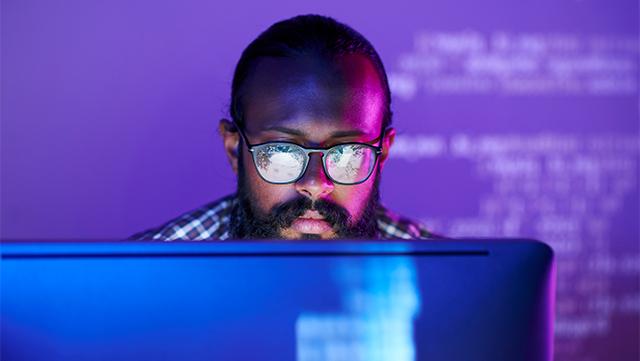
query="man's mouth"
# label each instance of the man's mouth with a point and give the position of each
(311, 222)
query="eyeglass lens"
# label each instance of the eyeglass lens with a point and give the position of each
(284, 163)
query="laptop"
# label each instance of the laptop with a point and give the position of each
(338, 300)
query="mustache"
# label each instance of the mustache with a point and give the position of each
(285, 213)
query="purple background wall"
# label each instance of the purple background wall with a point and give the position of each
(514, 118)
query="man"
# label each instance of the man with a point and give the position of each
(308, 137)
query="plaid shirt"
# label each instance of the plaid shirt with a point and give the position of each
(212, 221)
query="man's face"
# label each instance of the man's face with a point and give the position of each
(319, 104)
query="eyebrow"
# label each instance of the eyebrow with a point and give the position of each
(337, 134)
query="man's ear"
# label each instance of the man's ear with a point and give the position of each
(387, 142)
(230, 141)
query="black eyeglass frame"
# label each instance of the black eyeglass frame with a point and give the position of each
(324, 150)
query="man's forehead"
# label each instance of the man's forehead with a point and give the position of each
(305, 94)
(317, 129)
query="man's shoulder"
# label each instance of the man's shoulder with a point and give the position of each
(210, 221)
(394, 226)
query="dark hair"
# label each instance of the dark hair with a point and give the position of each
(302, 35)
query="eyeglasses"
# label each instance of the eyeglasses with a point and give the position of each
(285, 162)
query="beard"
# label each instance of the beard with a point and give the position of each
(251, 223)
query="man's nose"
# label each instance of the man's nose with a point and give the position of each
(314, 182)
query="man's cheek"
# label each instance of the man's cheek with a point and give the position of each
(353, 199)
(268, 196)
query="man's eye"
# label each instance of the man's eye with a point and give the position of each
(349, 149)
